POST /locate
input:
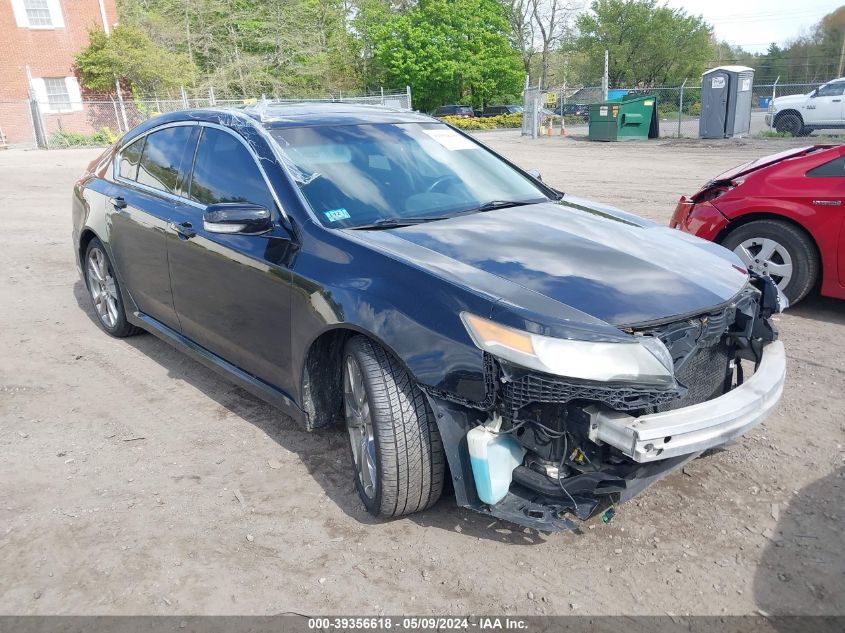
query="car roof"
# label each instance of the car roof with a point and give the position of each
(274, 115)
(311, 114)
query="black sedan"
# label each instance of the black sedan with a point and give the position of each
(346, 263)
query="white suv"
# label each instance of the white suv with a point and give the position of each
(799, 115)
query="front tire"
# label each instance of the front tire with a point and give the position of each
(396, 448)
(104, 290)
(789, 124)
(780, 250)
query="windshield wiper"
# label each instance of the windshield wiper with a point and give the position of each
(393, 223)
(493, 205)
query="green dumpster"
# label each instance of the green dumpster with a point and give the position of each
(630, 117)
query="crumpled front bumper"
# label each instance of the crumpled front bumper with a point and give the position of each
(696, 428)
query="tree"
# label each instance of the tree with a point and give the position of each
(539, 27)
(551, 19)
(648, 44)
(250, 47)
(448, 51)
(129, 56)
(521, 19)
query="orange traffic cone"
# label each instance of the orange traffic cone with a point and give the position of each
(562, 127)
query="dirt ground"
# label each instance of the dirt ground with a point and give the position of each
(135, 481)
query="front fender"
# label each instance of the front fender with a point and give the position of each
(409, 313)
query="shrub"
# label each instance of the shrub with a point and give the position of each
(103, 136)
(485, 123)
(695, 109)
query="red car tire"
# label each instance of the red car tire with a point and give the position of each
(794, 248)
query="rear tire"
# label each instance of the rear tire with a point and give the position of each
(397, 452)
(795, 244)
(789, 124)
(104, 291)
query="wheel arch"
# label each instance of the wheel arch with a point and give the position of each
(748, 218)
(786, 112)
(321, 396)
(783, 113)
(85, 238)
(86, 235)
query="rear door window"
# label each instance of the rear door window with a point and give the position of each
(127, 166)
(162, 158)
(225, 171)
(831, 169)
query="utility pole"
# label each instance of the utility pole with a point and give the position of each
(842, 56)
(604, 79)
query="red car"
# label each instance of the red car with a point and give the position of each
(782, 215)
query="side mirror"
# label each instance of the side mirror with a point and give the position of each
(236, 217)
(535, 173)
(814, 94)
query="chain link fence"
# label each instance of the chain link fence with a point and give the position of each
(29, 122)
(678, 107)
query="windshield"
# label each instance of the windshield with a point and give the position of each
(363, 175)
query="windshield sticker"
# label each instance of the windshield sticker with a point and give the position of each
(336, 215)
(450, 139)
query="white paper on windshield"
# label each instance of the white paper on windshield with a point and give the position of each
(450, 139)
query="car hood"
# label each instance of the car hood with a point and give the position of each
(781, 102)
(615, 267)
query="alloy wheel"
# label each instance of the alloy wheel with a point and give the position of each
(102, 287)
(359, 425)
(767, 257)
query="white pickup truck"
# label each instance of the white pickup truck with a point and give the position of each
(823, 108)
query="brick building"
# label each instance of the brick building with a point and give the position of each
(38, 42)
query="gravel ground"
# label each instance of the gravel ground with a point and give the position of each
(135, 481)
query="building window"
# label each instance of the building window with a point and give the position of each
(37, 12)
(57, 94)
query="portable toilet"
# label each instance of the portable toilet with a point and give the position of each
(726, 102)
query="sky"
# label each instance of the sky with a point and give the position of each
(754, 24)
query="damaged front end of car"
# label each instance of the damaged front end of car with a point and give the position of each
(602, 423)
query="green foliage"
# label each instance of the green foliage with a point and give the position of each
(254, 47)
(128, 55)
(775, 134)
(103, 136)
(485, 123)
(649, 44)
(449, 51)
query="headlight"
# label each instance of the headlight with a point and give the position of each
(645, 360)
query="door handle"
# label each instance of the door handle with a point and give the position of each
(185, 230)
(837, 100)
(118, 202)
